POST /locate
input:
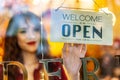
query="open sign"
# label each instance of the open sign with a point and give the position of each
(75, 26)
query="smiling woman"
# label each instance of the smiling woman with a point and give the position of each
(22, 42)
(28, 37)
(26, 43)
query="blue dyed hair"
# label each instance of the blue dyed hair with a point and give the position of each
(12, 49)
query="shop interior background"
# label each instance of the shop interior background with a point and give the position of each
(42, 7)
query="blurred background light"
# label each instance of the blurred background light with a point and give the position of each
(36, 2)
(86, 4)
(45, 1)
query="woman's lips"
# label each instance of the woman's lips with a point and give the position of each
(31, 43)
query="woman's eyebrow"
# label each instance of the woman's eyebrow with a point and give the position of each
(22, 28)
(38, 27)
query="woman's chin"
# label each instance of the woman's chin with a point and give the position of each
(32, 50)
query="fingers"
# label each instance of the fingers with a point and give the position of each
(84, 48)
(67, 50)
(78, 49)
(71, 45)
(83, 51)
(67, 46)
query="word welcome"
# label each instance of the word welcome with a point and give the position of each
(74, 17)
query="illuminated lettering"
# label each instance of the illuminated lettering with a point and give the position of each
(46, 61)
(92, 73)
(5, 65)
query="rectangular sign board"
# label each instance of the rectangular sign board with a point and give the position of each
(75, 26)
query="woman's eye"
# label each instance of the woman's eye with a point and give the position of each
(23, 31)
(37, 29)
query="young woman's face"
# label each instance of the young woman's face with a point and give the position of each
(28, 37)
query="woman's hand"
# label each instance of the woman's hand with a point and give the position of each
(71, 58)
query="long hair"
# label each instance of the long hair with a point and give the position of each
(12, 51)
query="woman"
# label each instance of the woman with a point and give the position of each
(25, 42)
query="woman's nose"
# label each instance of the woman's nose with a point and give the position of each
(31, 34)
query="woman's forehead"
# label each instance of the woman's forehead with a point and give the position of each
(26, 24)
